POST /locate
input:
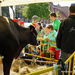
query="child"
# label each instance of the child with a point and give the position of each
(32, 50)
(44, 42)
(51, 37)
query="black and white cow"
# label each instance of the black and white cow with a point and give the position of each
(12, 39)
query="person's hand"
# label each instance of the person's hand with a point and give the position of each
(39, 35)
(45, 44)
(47, 39)
(33, 49)
(33, 53)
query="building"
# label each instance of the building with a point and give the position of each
(63, 11)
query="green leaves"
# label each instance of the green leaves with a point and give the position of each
(39, 9)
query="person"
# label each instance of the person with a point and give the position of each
(42, 24)
(18, 21)
(44, 43)
(35, 19)
(66, 35)
(56, 22)
(51, 37)
(39, 30)
(21, 23)
(15, 20)
(32, 50)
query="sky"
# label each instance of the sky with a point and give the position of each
(64, 3)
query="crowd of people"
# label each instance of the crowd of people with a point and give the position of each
(19, 21)
(62, 30)
(48, 33)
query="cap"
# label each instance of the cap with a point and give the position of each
(35, 17)
(15, 20)
(21, 22)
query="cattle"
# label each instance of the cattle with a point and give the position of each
(12, 39)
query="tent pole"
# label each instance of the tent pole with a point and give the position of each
(0, 9)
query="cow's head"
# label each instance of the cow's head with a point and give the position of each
(33, 35)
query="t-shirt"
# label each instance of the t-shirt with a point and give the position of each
(56, 24)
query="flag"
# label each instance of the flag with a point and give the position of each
(11, 12)
(14, 8)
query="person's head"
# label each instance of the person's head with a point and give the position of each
(19, 19)
(35, 18)
(46, 32)
(49, 28)
(38, 26)
(42, 22)
(38, 49)
(72, 10)
(21, 23)
(53, 16)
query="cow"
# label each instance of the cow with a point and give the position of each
(12, 39)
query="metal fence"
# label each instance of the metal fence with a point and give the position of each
(48, 45)
(69, 62)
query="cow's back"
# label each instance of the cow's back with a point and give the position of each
(8, 36)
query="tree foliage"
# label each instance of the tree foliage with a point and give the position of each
(24, 13)
(39, 9)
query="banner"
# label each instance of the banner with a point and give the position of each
(14, 8)
(11, 12)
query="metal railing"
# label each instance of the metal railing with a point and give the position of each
(49, 43)
(70, 61)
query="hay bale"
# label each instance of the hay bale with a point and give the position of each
(13, 73)
(21, 68)
(15, 69)
(17, 64)
(23, 71)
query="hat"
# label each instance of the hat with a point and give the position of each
(35, 17)
(21, 22)
(15, 20)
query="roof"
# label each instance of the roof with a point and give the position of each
(21, 2)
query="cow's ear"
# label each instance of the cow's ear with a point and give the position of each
(31, 28)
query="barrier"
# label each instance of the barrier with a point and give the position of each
(49, 44)
(70, 61)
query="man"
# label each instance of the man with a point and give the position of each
(56, 22)
(35, 19)
(66, 35)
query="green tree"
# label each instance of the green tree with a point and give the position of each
(39, 9)
(24, 13)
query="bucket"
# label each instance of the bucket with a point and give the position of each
(57, 52)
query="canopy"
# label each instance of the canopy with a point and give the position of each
(21, 2)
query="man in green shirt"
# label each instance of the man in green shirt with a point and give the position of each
(56, 22)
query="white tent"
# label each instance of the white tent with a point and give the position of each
(20, 2)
